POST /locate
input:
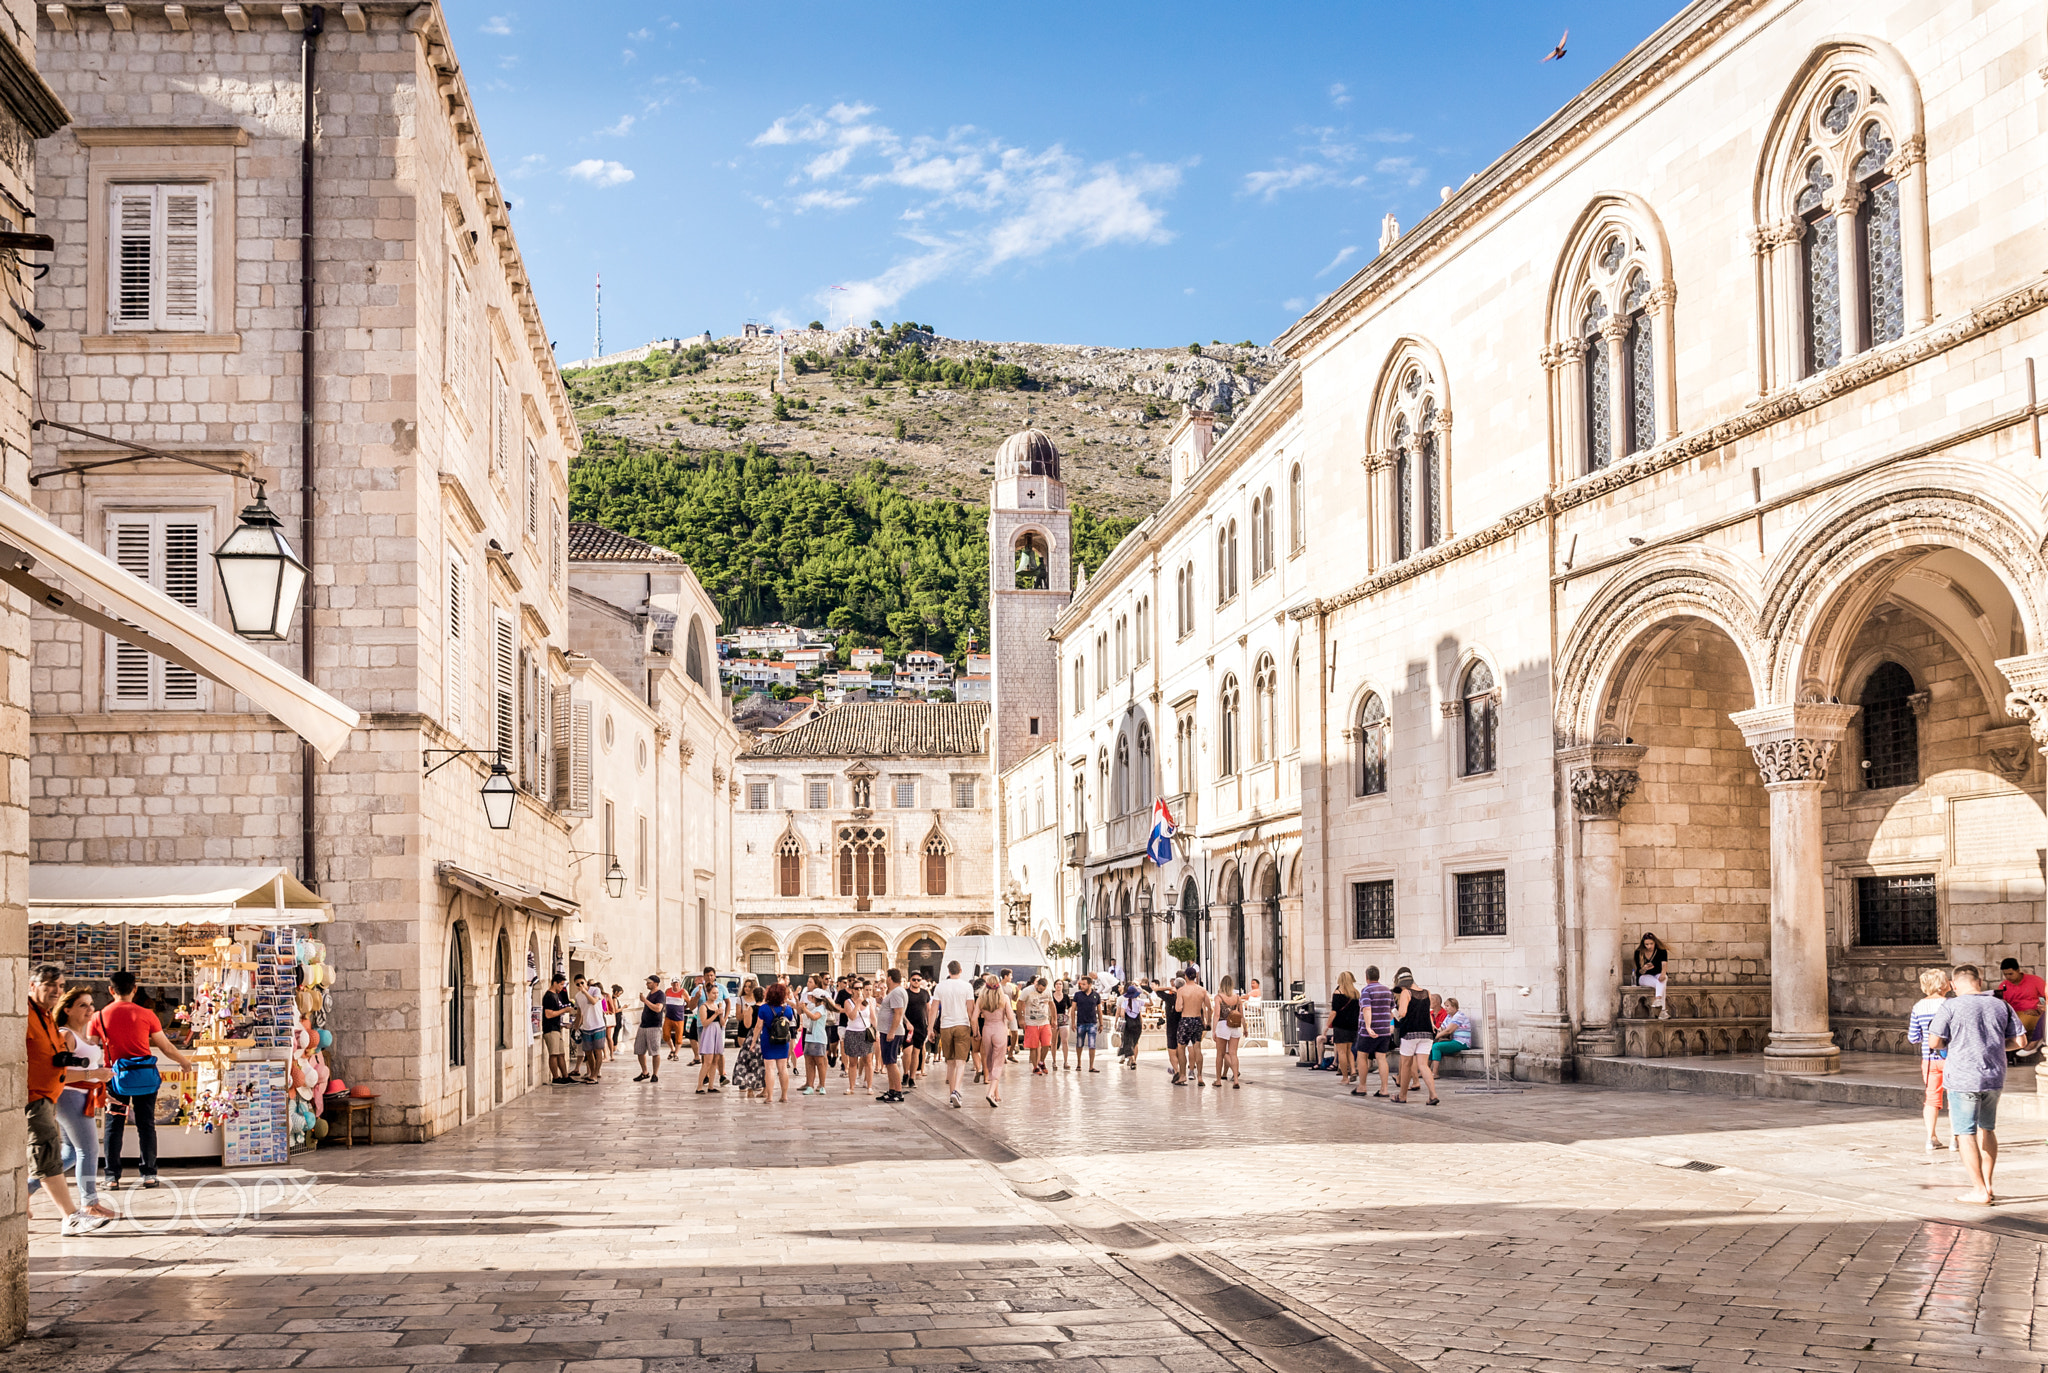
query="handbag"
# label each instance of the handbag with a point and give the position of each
(136, 1076)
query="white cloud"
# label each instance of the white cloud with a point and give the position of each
(508, 61)
(499, 25)
(1294, 305)
(641, 35)
(620, 129)
(600, 173)
(1340, 95)
(529, 164)
(1333, 158)
(1344, 255)
(968, 201)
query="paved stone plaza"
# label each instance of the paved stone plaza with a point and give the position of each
(1111, 1222)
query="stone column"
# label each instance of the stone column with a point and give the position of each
(1793, 747)
(1601, 778)
(2028, 702)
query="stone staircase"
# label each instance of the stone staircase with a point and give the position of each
(1704, 1020)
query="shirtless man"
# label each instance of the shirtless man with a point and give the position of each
(1193, 1001)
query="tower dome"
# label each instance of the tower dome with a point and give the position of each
(1028, 454)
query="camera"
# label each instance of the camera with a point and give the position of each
(64, 1058)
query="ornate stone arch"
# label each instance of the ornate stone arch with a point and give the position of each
(1408, 452)
(1618, 636)
(934, 854)
(1844, 560)
(1852, 112)
(1613, 299)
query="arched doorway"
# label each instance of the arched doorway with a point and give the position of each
(1232, 956)
(1191, 914)
(456, 1009)
(501, 1014)
(1272, 964)
(1126, 961)
(1148, 924)
(1082, 932)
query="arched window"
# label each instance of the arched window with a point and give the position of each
(1610, 331)
(1040, 800)
(1143, 776)
(1180, 603)
(863, 862)
(1142, 643)
(1102, 663)
(1080, 802)
(1891, 729)
(1599, 371)
(458, 995)
(1482, 718)
(1103, 799)
(1265, 727)
(1122, 793)
(1259, 508)
(935, 851)
(502, 1011)
(1372, 746)
(1123, 647)
(1227, 723)
(694, 656)
(789, 866)
(1413, 425)
(1294, 703)
(1297, 524)
(1080, 682)
(1842, 232)
(1232, 560)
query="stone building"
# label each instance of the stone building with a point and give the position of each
(437, 435)
(641, 630)
(1672, 552)
(864, 839)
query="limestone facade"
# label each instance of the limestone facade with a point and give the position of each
(440, 436)
(864, 839)
(1674, 562)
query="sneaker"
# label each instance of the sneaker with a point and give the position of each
(909, 1081)
(956, 1101)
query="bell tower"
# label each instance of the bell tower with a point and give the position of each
(1030, 550)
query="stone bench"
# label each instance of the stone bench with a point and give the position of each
(1699, 1002)
(1705, 1020)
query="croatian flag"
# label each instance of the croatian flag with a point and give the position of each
(1160, 847)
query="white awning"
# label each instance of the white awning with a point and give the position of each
(509, 892)
(129, 894)
(160, 625)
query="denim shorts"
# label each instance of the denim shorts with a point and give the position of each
(1084, 1036)
(1969, 1112)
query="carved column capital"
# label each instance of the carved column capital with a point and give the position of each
(1909, 154)
(1555, 355)
(2027, 702)
(1847, 199)
(1615, 330)
(1795, 743)
(1601, 777)
(1378, 462)
(1662, 299)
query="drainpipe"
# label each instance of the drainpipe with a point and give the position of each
(309, 46)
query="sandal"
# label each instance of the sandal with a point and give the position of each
(1430, 1102)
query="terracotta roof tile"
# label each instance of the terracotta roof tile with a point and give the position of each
(884, 729)
(593, 543)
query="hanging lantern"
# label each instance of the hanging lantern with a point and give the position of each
(615, 880)
(499, 794)
(259, 574)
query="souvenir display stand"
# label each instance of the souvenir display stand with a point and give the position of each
(242, 989)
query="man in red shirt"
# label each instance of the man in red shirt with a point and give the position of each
(2022, 992)
(127, 1030)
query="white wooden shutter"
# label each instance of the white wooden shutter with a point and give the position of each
(563, 715)
(529, 719)
(532, 492)
(186, 276)
(579, 758)
(501, 420)
(458, 363)
(543, 733)
(504, 689)
(160, 258)
(167, 552)
(453, 675)
(131, 263)
(555, 559)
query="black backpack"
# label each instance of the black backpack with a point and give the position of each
(781, 1030)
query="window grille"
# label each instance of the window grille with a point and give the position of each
(1482, 713)
(757, 795)
(821, 795)
(1893, 912)
(1372, 747)
(1482, 903)
(906, 795)
(1372, 905)
(963, 793)
(1891, 730)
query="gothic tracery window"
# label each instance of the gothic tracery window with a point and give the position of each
(1481, 704)
(1265, 728)
(935, 851)
(863, 862)
(1613, 343)
(1416, 432)
(789, 866)
(1372, 746)
(1227, 720)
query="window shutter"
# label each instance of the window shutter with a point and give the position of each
(452, 684)
(561, 718)
(543, 734)
(128, 666)
(555, 549)
(181, 582)
(532, 492)
(458, 331)
(187, 215)
(529, 752)
(579, 758)
(501, 420)
(164, 551)
(132, 263)
(504, 689)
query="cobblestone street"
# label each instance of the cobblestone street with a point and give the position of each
(1111, 1222)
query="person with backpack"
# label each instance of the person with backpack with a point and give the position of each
(778, 1031)
(131, 1035)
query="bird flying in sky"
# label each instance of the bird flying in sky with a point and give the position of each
(1557, 51)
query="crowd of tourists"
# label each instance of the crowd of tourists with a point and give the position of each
(879, 1031)
(1404, 1031)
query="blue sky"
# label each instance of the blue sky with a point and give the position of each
(1122, 174)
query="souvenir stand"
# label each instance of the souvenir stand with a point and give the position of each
(226, 959)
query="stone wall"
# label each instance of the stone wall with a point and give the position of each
(1695, 837)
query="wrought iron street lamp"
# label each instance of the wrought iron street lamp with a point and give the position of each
(615, 880)
(500, 793)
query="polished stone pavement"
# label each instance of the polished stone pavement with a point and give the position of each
(1108, 1222)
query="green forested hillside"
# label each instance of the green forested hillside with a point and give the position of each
(771, 539)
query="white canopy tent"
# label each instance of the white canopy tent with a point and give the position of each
(129, 894)
(140, 614)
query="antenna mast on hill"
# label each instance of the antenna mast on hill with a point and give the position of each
(598, 350)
